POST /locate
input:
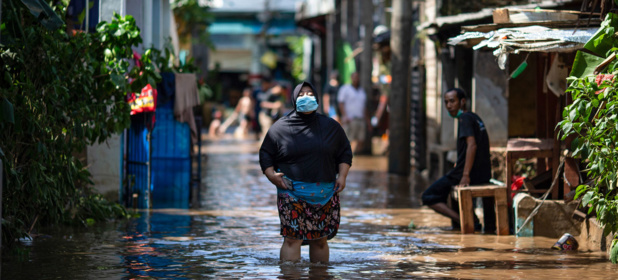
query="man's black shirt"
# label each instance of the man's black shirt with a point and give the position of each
(471, 124)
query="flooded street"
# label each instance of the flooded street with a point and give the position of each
(235, 234)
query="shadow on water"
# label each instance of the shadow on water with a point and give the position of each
(236, 235)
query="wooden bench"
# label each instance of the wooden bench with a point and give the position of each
(465, 196)
(517, 148)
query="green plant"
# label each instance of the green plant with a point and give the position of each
(67, 91)
(193, 19)
(592, 119)
(296, 44)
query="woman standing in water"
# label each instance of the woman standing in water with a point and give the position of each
(307, 156)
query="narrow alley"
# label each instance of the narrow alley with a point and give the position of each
(235, 234)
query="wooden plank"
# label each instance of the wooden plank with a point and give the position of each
(501, 208)
(555, 158)
(482, 193)
(571, 174)
(551, 24)
(529, 144)
(466, 216)
(542, 93)
(501, 16)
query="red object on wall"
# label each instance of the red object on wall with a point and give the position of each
(145, 102)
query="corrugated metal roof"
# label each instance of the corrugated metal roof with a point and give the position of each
(529, 38)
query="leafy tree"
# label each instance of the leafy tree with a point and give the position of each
(67, 91)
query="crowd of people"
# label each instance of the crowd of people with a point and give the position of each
(257, 109)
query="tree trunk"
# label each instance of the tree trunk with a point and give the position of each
(366, 60)
(399, 100)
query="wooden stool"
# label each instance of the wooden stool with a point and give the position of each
(466, 214)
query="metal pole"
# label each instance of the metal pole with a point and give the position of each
(0, 19)
(1, 187)
(399, 100)
(87, 11)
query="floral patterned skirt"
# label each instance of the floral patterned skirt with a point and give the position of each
(306, 221)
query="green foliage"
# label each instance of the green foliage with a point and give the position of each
(584, 64)
(67, 91)
(593, 119)
(193, 19)
(296, 44)
(604, 39)
(613, 253)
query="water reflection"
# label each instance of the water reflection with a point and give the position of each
(236, 235)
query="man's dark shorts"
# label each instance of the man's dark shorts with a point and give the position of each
(439, 191)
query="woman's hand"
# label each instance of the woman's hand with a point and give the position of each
(343, 174)
(276, 178)
(339, 184)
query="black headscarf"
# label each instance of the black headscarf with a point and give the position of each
(297, 92)
(306, 147)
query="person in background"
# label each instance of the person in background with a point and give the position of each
(243, 114)
(354, 119)
(384, 80)
(307, 156)
(270, 108)
(331, 107)
(473, 164)
(215, 124)
(258, 96)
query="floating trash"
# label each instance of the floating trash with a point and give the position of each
(566, 243)
(411, 225)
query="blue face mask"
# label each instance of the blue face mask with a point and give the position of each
(306, 104)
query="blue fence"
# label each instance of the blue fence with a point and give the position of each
(171, 160)
(138, 160)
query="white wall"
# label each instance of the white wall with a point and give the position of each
(490, 86)
(104, 159)
(104, 165)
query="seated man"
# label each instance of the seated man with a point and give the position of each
(473, 165)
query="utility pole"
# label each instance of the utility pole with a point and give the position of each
(366, 59)
(0, 19)
(399, 99)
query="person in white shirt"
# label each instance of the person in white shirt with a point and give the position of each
(352, 99)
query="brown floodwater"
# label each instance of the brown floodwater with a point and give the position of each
(235, 234)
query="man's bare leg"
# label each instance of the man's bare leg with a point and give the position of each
(443, 209)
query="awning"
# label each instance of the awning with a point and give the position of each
(530, 39)
(275, 27)
(235, 27)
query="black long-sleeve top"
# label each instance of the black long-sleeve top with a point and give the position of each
(306, 147)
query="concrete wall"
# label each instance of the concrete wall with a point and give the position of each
(104, 165)
(433, 97)
(490, 97)
(108, 7)
(556, 218)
